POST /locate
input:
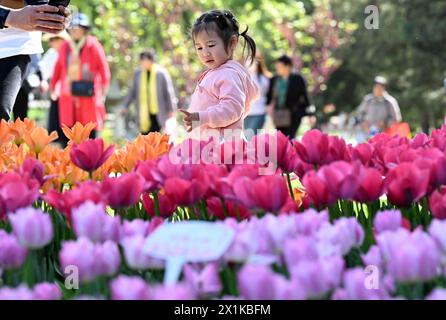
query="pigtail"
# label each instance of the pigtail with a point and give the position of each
(252, 46)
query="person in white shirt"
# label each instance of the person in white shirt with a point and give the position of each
(255, 120)
(20, 36)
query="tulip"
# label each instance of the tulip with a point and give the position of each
(12, 254)
(20, 293)
(370, 185)
(256, 282)
(204, 282)
(78, 133)
(388, 220)
(313, 148)
(317, 190)
(229, 209)
(90, 154)
(47, 291)
(166, 205)
(179, 291)
(123, 191)
(135, 256)
(406, 184)
(437, 203)
(134, 227)
(80, 254)
(37, 139)
(129, 288)
(32, 227)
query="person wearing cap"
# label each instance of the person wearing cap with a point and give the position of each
(83, 73)
(20, 37)
(378, 110)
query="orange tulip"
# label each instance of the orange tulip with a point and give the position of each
(299, 194)
(37, 139)
(5, 133)
(20, 128)
(78, 132)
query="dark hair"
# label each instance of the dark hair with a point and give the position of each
(262, 69)
(148, 54)
(224, 23)
(286, 60)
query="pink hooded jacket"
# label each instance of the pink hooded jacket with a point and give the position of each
(222, 98)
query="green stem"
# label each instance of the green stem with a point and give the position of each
(290, 187)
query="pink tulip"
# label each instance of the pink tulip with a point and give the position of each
(317, 190)
(313, 147)
(145, 169)
(68, 200)
(16, 192)
(123, 191)
(269, 193)
(388, 220)
(90, 154)
(370, 185)
(33, 169)
(134, 227)
(230, 209)
(135, 256)
(337, 150)
(80, 254)
(406, 184)
(355, 289)
(437, 203)
(166, 205)
(362, 152)
(341, 178)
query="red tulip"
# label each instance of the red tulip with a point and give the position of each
(420, 140)
(317, 190)
(269, 193)
(362, 152)
(233, 209)
(313, 147)
(337, 150)
(437, 203)
(224, 186)
(406, 184)
(16, 192)
(123, 191)
(370, 185)
(166, 205)
(435, 161)
(33, 169)
(90, 154)
(145, 169)
(438, 139)
(166, 169)
(68, 200)
(341, 178)
(276, 148)
(185, 192)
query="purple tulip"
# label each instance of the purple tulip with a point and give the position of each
(388, 220)
(256, 282)
(374, 257)
(129, 288)
(107, 258)
(12, 254)
(47, 291)
(20, 293)
(179, 291)
(355, 287)
(90, 220)
(135, 256)
(80, 254)
(437, 294)
(134, 227)
(437, 230)
(299, 249)
(204, 281)
(310, 221)
(288, 289)
(345, 234)
(32, 227)
(319, 277)
(415, 259)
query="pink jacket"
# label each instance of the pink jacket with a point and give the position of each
(223, 97)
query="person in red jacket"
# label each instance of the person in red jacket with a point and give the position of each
(84, 76)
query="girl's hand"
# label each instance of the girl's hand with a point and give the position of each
(189, 119)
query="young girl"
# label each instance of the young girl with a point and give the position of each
(226, 90)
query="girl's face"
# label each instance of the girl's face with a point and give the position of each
(77, 33)
(211, 49)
